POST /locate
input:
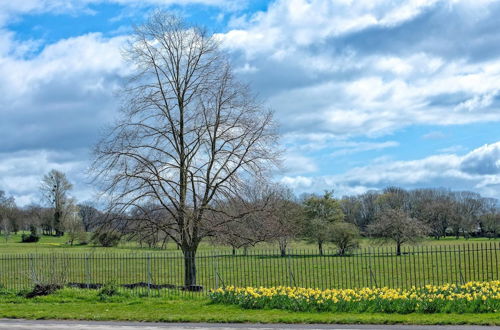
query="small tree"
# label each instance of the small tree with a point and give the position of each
(321, 213)
(345, 236)
(491, 224)
(257, 223)
(73, 225)
(395, 225)
(282, 217)
(8, 219)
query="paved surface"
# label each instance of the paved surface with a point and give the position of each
(88, 325)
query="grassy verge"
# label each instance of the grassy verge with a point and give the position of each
(87, 305)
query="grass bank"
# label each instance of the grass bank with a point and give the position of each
(88, 305)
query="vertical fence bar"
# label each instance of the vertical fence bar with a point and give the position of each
(150, 279)
(496, 261)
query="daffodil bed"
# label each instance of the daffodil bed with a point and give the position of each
(471, 297)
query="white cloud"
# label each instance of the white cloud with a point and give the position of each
(294, 23)
(478, 170)
(434, 135)
(351, 147)
(11, 9)
(484, 160)
(297, 182)
(298, 164)
(306, 59)
(64, 92)
(336, 72)
(21, 173)
(477, 102)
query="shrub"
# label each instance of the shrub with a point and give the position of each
(108, 290)
(106, 238)
(47, 277)
(43, 290)
(29, 238)
(345, 236)
(33, 237)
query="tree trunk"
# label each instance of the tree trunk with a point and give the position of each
(283, 244)
(398, 249)
(320, 247)
(164, 243)
(234, 251)
(189, 268)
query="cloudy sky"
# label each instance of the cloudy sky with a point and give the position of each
(367, 93)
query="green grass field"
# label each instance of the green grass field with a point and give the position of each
(427, 263)
(86, 305)
(52, 244)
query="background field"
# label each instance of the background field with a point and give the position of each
(454, 261)
(59, 244)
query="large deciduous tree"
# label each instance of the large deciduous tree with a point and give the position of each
(190, 136)
(55, 187)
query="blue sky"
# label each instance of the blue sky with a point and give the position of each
(367, 93)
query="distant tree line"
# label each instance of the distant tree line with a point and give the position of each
(56, 214)
(278, 216)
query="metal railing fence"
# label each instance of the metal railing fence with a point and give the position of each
(161, 273)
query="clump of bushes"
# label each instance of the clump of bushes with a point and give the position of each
(43, 290)
(106, 238)
(33, 237)
(108, 290)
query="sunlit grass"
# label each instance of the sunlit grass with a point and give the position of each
(86, 305)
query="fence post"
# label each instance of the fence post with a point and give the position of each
(149, 273)
(216, 271)
(87, 271)
(460, 265)
(290, 273)
(31, 268)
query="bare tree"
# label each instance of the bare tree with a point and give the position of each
(73, 224)
(151, 232)
(90, 215)
(35, 215)
(489, 220)
(368, 209)
(190, 135)
(470, 205)
(395, 225)
(251, 228)
(55, 187)
(282, 217)
(438, 213)
(8, 215)
(351, 206)
(393, 198)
